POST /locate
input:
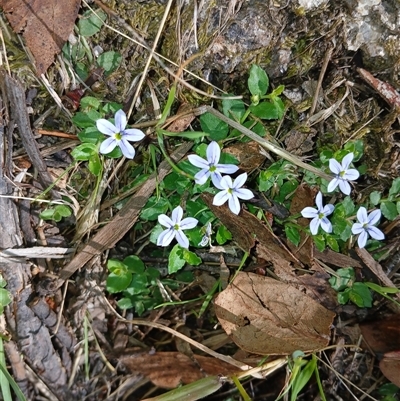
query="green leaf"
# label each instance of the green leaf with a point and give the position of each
(125, 303)
(389, 210)
(3, 282)
(223, 235)
(319, 241)
(94, 165)
(344, 277)
(357, 147)
(398, 207)
(117, 283)
(134, 264)
(89, 102)
(292, 234)
(153, 208)
(175, 259)
(348, 206)
(268, 110)
(84, 151)
(233, 108)
(191, 258)
(90, 23)
(343, 297)
(63, 210)
(211, 124)
(186, 134)
(90, 135)
(115, 266)
(374, 197)
(332, 243)
(86, 120)
(258, 81)
(47, 214)
(302, 379)
(5, 297)
(110, 61)
(361, 295)
(394, 190)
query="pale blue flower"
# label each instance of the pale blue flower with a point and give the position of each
(175, 227)
(366, 227)
(119, 136)
(318, 215)
(343, 174)
(210, 167)
(231, 192)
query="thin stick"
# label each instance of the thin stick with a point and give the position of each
(263, 142)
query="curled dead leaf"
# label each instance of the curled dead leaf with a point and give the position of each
(265, 316)
(45, 25)
(170, 369)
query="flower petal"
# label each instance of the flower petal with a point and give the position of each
(198, 161)
(133, 135)
(362, 239)
(213, 153)
(318, 202)
(243, 193)
(165, 238)
(314, 224)
(335, 166)
(362, 216)
(375, 233)
(344, 186)
(120, 120)
(182, 239)
(108, 145)
(328, 209)
(216, 179)
(127, 149)
(326, 225)
(202, 176)
(165, 221)
(351, 174)
(357, 228)
(225, 182)
(177, 214)
(234, 204)
(227, 168)
(374, 216)
(347, 160)
(188, 222)
(333, 184)
(239, 180)
(309, 212)
(220, 198)
(105, 127)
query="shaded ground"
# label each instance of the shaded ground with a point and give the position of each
(317, 54)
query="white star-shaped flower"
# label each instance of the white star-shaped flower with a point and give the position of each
(175, 227)
(343, 174)
(211, 166)
(366, 227)
(231, 192)
(318, 215)
(119, 136)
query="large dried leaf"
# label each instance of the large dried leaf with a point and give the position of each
(265, 316)
(45, 25)
(390, 367)
(170, 369)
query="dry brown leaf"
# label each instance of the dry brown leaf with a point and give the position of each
(246, 228)
(390, 367)
(45, 25)
(170, 369)
(265, 316)
(303, 197)
(248, 154)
